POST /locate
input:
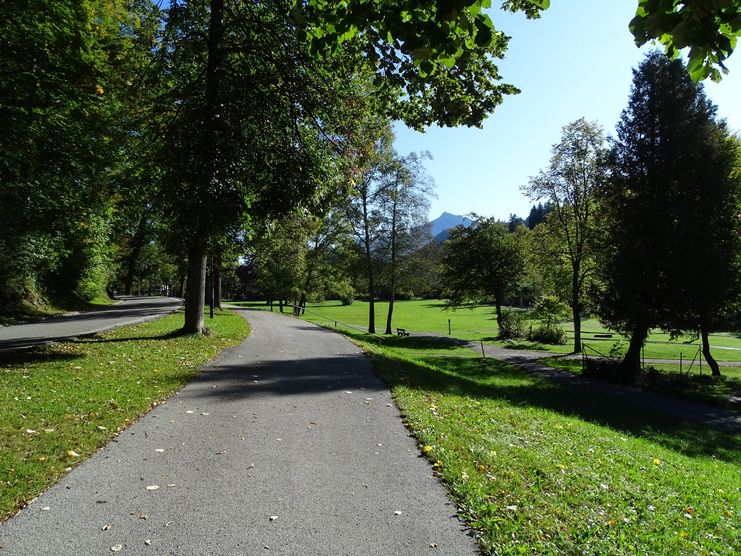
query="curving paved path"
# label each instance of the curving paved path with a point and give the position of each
(286, 445)
(131, 309)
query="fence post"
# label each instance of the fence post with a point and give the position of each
(483, 353)
(680, 363)
(448, 327)
(700, 359)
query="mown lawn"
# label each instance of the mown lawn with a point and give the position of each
(479, 324)
(539, 469)
(61, 403)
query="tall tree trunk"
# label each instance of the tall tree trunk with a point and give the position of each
(217, 280)
(194, 318)
(390, 313)
(576, 306)
(137, 243)
(632, 360)
(712, 363)
(498, 303)
(196, 286)
(369, 264)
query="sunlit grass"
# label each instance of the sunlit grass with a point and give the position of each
(60, 403)
(479, 324)
(540, 469)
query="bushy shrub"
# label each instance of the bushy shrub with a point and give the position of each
(512, 325)
(344, 291)
(547, 335)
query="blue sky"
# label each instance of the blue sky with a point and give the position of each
(574, 62)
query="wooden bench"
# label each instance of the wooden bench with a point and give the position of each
(402, 332)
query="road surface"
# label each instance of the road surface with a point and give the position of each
(131, 309)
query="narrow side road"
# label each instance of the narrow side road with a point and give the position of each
(286, 445)
(130, 310)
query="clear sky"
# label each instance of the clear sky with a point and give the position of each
(575, 61)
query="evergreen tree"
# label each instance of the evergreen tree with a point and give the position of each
(668, 208)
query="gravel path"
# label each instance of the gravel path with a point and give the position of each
(286, 445)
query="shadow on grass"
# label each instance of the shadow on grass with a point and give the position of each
(474, 378)
(40, 354)
(100, 340)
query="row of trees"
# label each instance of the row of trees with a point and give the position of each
(643, 230)
(192, 127)
(134, 134)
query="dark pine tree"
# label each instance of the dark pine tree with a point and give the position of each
(662, 263)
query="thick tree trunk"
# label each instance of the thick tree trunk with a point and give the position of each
(194, 297)
(194, 318)
(498, 303)
(390, 313)
(632, 360)
(712, 363)
(576, 308)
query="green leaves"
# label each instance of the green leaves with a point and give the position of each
(710, 29)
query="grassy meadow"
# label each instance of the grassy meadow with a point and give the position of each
(60, 403)
(479, 324)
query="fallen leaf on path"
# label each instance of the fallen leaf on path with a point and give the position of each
(273, 517)
(397, 512)
(159, 450)
(147, 542)
(189, 411)
(45, 509)
(106, 527)
(205, 413)
(152, 487)
(117, 548)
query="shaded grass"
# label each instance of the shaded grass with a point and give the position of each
(71, 398)
(721, 391)
(538, 468)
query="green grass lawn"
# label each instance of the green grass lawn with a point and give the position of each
(60, 403)
(479, 324)
(540, 469)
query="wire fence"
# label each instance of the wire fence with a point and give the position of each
(696, 361)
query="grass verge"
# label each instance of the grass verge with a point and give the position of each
(61, 403)
(539, 469)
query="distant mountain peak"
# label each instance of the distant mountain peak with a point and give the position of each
(440, 226)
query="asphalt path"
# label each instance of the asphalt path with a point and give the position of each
(288, 444)
(131, 309)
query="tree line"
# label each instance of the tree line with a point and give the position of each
(144, 144)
